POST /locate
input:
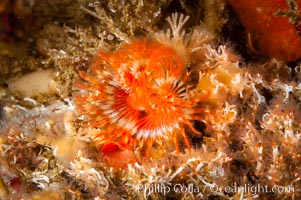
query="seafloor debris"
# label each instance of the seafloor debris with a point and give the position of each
(241, 120)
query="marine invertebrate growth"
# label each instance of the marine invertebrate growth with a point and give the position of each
(267, 20)
(138, 94)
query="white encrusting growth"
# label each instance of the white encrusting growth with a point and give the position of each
(34, 84)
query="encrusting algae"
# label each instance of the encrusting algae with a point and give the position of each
(142, 108)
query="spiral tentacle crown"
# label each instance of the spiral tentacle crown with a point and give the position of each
(138, 95)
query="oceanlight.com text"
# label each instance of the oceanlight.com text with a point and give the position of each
(253, 189)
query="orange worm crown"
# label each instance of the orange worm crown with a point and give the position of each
(137, 94)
